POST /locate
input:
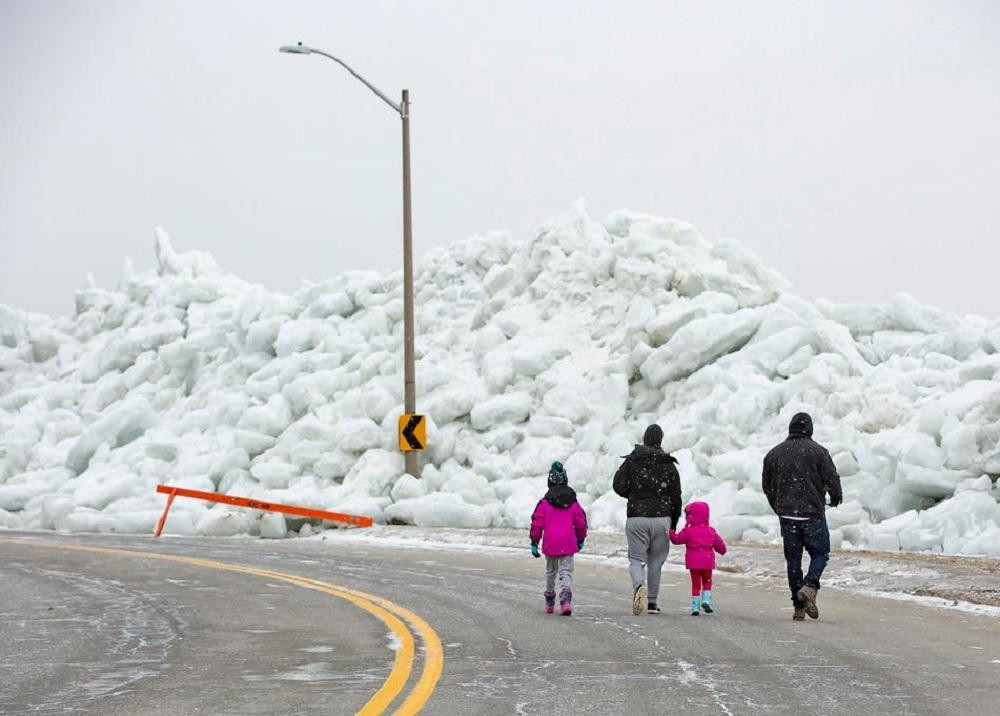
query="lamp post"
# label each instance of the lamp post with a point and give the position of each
(409, 371)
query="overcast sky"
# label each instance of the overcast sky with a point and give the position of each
(854, 146)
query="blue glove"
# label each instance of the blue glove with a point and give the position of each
(579, 544)
(534, 549)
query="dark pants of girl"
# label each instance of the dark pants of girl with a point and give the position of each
(701, 579)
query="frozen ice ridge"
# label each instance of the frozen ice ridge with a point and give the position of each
(560, 348)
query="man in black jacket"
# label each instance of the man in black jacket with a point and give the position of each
(648, 479)
(798, 474)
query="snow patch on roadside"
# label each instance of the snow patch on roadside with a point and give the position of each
(938, 602)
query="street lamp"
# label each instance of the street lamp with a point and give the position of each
(403, 109)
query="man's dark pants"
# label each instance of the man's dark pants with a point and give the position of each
(813, 535)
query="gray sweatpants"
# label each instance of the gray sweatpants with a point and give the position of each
(563, 566)
(648, 547)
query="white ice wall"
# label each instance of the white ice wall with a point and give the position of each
(564, 347)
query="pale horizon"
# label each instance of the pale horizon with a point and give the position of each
(854, 148)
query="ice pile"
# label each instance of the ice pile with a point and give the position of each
(564, 347)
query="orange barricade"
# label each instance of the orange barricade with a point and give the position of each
(173, 492)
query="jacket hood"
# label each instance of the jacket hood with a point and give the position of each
(697, 514)
(645, 452)
(653, 437)
(561, 496)
(801, 426)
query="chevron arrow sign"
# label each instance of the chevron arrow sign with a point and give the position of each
(412, 432)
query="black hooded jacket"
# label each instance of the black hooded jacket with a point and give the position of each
(799, 472)
(649, 480)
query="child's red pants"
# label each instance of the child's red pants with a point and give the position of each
(701, 579)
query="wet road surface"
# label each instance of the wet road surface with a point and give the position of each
(84, 632)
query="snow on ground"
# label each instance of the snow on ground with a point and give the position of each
(560, 348)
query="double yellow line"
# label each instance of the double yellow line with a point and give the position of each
(392, 615)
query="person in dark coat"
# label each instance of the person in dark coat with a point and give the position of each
(648, 479)
(798, 474)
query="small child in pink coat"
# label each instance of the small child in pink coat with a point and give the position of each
(559, 517)
(702, 543)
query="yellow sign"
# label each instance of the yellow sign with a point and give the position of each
(412, 432)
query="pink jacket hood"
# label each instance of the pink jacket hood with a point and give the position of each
(700, 537)
(697, 514)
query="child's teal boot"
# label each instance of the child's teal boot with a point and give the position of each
(695, 606)
(706, 601)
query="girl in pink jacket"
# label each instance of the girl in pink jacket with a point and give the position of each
(563, 523)
(702, 543)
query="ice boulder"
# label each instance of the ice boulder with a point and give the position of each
(118, 427)
(535, 356)
(16, 493)
(662, 326)
(697, 344)
(501, 409)
(271, 525)
(441, 509)
(408, 487)
(224, 521)
(375, 472)
(471, 487)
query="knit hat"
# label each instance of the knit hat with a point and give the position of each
(557, 475)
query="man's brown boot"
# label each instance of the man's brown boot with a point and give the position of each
(799, 614)
(808, 597)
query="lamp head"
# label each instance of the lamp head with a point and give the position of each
(298, 49)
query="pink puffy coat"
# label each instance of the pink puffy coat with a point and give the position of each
(700, 537)
(563, 528)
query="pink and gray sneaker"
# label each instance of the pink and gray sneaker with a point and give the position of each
(550, 602)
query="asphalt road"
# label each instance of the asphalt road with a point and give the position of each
(110, 633)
